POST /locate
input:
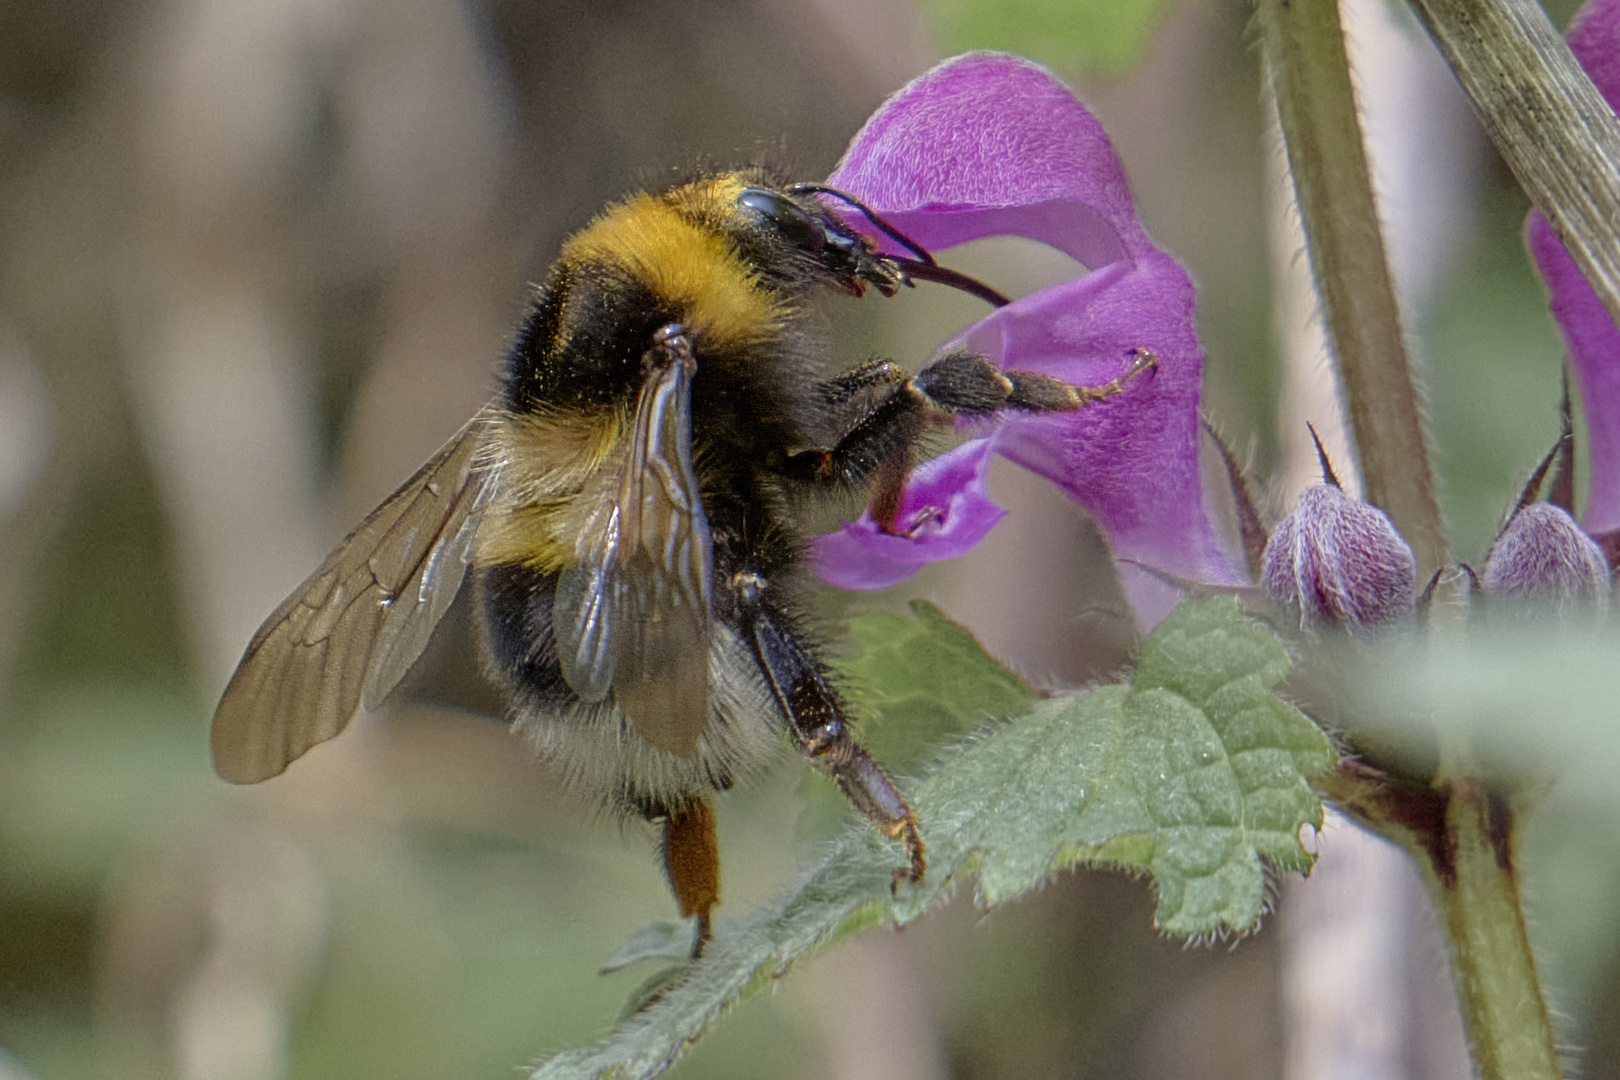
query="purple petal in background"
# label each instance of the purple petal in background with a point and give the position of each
(1593, 340)
(1594, 38)
(1594, 352)
(944, 512)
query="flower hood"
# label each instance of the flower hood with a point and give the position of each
(993, 145)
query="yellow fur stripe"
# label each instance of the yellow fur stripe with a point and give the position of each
(554, 471)
(694, 268)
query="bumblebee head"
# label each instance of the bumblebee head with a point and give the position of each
(801, 222)
(788, 232)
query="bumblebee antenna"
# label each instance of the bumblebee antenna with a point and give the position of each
(923, 266)
(871, 215)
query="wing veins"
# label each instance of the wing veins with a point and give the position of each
(311, 662)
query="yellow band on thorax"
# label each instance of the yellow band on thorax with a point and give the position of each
(694, 268)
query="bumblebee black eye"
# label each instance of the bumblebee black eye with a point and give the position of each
(792, 223)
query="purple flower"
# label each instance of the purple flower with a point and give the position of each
(993, 145)
(1593, 340)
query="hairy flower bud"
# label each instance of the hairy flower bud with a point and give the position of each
(1338, 562)
(1544, 560)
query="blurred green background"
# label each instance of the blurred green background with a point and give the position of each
(258, 258)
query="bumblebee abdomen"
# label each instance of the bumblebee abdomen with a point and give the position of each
(594, 743)
(519, 643)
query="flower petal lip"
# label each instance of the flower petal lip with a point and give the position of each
(1593, 339)
(944, 511)
(990, 144)
(1131, 462)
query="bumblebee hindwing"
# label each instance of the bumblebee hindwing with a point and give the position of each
(354, 627)
(633, 611)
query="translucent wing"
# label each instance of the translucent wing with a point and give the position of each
(353, 628)
(632, 613)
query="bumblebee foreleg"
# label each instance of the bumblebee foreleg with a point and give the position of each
(823, 732)
(872, 375)
(966, 384)
(878, 445)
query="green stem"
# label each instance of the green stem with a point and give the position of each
(1462, 840)
(1548, 121)
(1495, 970)
(1310, 77)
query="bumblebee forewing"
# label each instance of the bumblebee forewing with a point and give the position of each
(634, 611)
(354, 627)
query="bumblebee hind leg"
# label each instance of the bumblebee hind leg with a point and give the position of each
(692, 863)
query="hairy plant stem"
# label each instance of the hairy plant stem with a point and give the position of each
(1310, 77)
(1460, 837)
(1463, 839)
(1548, 121)
(1497, 986)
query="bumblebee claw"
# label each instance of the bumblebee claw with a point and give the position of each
(916, 855)
(702, 935)
(1142, 360)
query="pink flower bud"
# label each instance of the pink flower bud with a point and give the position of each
(1338, 562)
(1544, 559)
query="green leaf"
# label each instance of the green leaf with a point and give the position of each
(916, 681)
(1105, 37)
(1195, 773)
(655, 941)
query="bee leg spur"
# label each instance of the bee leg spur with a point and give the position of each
(692, 861)
(824, 734)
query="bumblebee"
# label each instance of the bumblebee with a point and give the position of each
(626, 510)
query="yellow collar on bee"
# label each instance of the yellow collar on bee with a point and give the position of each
(683, 260)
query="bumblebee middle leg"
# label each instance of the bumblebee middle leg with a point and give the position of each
(878, 446)
(819, 722)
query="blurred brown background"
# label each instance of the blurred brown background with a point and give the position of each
(259, 257)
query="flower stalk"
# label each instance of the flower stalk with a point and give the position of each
(1501, 999)
(1460, 834)
(1464, 842)
(1310, 78)
(1548, 121)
